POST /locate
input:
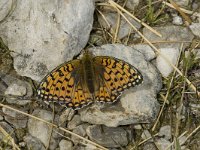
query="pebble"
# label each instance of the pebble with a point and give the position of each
(65, 145)
(108, 136)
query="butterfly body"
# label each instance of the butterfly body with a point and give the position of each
(79, 82)
(89, 72)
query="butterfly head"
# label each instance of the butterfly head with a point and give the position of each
(87, 54)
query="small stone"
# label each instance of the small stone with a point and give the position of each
(33, 143)
(22, 144)
(195, 28)
(182, 3)
(16, 90)
(80, 130)
(41, 130)
(166, 132)
(65, 145)
(76, 120)
(182, 140)
(162, 143)
(195, 109)
(149, 146)
(146, 50)
(146, 135)
(17, 119)
(64, 117)
(163, 66)
(132, 4)
(71, 114)
(108, 136)
(137, 127)
(177, 20)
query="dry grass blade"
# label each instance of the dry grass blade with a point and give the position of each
(9, 138)
(182, 9)
(54, 125)
(166, 96)
(158, 51)
(117, 28)
(131, 15)
(181, 12)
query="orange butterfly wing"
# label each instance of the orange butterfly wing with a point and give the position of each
(116, 76)
(64, 85)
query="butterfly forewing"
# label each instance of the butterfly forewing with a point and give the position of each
(63, 85)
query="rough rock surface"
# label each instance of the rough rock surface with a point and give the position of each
(108, 136)
(171, 49)
(41, 130)
(137, 104)
(163, 66)
(18, 120)
(33, 143)
(65, 145)
(41, 35)
(170, 34)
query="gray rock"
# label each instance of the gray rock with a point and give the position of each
(137, 104)
(177, 20)
(50, 33)
(9, 130)
(132, 4)
(195, 28)
(146, 50)
(18, 91)
(65, 116)
(166, 132)
(33, 143)
(163, 66)
(146, 135)
(41, 130)
(85, 147)
(182, 3)
(137, 127)
(149, 146)
(5, 7)
(195, 108)
(18, 120)
(108, 136)
(162, 143)
(80, 130)
(169, 33)
(65, 145)
(182, 140)
(76, 120)
(124, 28)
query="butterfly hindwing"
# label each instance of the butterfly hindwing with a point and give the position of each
(117, 75)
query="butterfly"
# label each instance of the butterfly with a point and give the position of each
(79, 82)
